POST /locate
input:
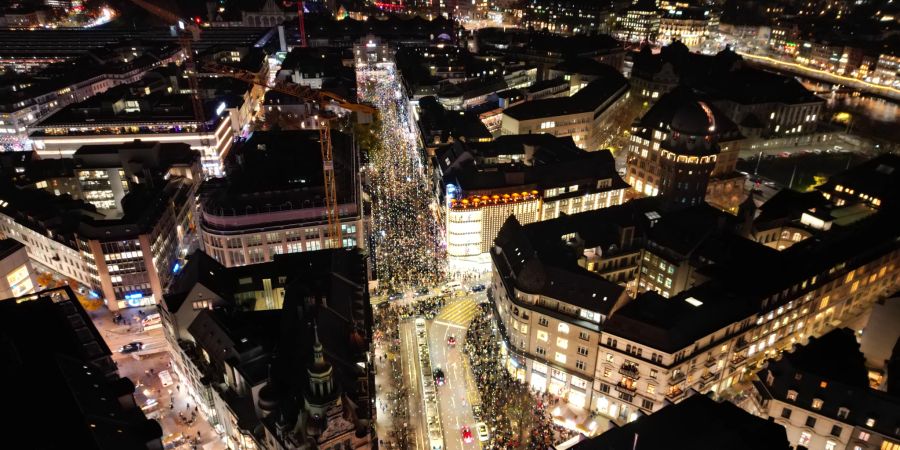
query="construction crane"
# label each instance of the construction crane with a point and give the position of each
(322, 98)
(190, 32)
(301, 27)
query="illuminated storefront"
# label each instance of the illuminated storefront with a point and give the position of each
(20, 281)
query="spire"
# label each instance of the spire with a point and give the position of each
(320, 373)
(318, 351)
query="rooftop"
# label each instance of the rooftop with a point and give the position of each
(597, 95)
(683, 110)
(522, 267)
(9, 246)
(697, 423)
(57, 366)
(281, 170)
(831, 368)
(878, 177)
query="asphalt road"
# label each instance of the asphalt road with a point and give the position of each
(411, 378)
(456, 411)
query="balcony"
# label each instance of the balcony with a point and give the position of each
(676, 378)
(737, 360)
(708, 378)
(674, 394)
(710, 362)
(622, 387)
(741, 344)
(630, 371)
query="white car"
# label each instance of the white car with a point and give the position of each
(482, 430)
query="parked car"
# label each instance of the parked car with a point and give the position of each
(131, 347)
(482, 430)
(478, 288)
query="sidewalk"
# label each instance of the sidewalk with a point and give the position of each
(384, 384)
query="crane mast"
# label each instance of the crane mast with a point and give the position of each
(301, 27)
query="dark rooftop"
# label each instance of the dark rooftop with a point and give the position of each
(9, 246)
(281, 170)
(57, 367)
(878, 177)
(599, 93)
(521, 266)
(697, 423)
(831, 368)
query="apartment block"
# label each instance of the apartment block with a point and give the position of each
(127, 251)
(584, 116)
(732, 302)
(272, 201)
(534, 177)
(821, 394)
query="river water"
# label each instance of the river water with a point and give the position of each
(872, 116)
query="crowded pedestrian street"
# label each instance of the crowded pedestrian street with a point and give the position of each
(157, 388)
(406, 231)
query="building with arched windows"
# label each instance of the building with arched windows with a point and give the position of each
(676, 147)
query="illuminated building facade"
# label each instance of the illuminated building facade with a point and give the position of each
(887, 70)
(531, 177)
(566, 16)
(30, 99)
(688, 25)
(128, 253)
(272, 202)
(169, 121)
(639, 22)
(17, 276)
(821, 394)
(584, 116)
(712, 333)
(550, 317)
(675, 148)
(470, 219)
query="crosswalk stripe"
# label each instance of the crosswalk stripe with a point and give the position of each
(448, 324)
(461, 311)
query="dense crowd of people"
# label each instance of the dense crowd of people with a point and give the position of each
(517, 417)
(396, 403)
(407, 231)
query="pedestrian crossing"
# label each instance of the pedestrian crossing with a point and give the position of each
(460, 312)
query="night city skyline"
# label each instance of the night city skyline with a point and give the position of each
(450, 225)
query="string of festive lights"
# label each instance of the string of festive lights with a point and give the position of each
(407, 234)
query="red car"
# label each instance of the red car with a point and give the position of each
(451, 341)
(467, 435)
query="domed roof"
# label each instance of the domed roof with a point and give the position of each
(694, 118)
